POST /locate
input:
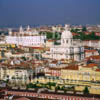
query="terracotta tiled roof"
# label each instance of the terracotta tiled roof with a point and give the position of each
(72, 67)
(91, 41)
(97, 33)
(98, 70)
(23, 98)
(90, 50)
(50, 40)
(91, 65)
(55, 68)
(95, 57)
(74, 34)
(40, 48)
(87, 33)
(54, 61)
(62, 59)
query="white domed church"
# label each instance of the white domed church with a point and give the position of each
(67, 50)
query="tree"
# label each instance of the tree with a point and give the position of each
(51, 84)
(75, 30)
(63, 87)
(72, 30)
(82, 36)
(84, 29)
(30, 85)
(76, 37)
(49, 35)
(92, 36)
(58, 87)
(86, 91)
(24, 58)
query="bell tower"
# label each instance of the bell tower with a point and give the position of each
(10, 31)
(21, 30)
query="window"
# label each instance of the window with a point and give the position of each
(66, 41)
(63, 41)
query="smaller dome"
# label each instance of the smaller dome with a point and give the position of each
(66, 34)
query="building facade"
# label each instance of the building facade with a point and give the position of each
(26, 38)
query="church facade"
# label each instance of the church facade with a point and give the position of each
(26, 38)
(67, 50)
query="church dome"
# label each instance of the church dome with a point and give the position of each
(66, 34)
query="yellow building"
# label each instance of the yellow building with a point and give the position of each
(77, 76)
(81, 73)
(82, 76)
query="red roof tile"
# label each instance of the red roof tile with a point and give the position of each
(50, 40)
(23, 98)
(72, 67)
(90, 50)
(74, 34)
(91, 65)
(98, 70)
(55, 68)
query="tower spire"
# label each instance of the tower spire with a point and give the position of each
(28, 28)
(21, 29)
(10, 31)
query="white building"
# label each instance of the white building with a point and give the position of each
(26, 38)
(67, 50)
